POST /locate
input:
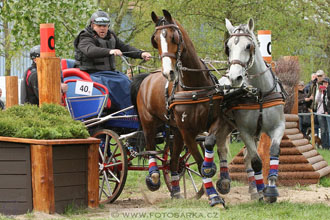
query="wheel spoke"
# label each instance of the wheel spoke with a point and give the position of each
(114, 176)
(192, 181)
(101, 154)
(101, 188)
(107, 181)
(106, 143)
(193, 171)
(112, 164)
(113, 153)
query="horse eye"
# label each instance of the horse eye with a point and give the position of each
(248, 47)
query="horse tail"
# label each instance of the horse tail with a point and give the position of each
(135, 86)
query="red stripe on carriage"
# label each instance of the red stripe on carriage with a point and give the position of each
(206, 159)
(261, 181)
(153, 164)
(208, 185)
(273, 167)
(175, 183)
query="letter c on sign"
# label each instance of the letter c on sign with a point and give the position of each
(51, 42)
(269, 48)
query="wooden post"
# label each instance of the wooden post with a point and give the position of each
(42, 178)
(312, 128)
(294, 109)
(93, 176)
(11, 91)
(264, 153)
(49, 80)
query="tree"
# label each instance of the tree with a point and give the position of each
(21, 19)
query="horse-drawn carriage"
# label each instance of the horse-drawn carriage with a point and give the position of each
(193, 103)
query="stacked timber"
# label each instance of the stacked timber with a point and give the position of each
(299, 163)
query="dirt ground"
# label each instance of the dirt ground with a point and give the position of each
(140, 202)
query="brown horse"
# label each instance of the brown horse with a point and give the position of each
(184, 96)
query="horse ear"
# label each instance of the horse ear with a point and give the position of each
(229, 26)
(154, 17)
(167, 16)
(251, 24)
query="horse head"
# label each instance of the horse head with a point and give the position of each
(240, 48)
(168, 39)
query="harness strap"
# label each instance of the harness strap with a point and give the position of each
(188, 102)
(257, 106)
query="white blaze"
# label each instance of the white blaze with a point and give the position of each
(167, 66)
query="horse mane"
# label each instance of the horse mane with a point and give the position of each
(135, 85)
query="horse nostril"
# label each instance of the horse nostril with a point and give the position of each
(172, 75)
(239, 79)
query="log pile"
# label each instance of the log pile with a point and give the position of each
(300, 163)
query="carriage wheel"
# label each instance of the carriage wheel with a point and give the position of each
(190, 178)
(112, 166)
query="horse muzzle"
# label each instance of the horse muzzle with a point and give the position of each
(169, 75)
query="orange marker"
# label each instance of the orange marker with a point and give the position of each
(264, 37)
(47, 40)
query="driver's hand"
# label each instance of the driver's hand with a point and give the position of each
(146, 56)
(115, 52)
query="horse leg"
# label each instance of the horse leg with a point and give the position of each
(253, 190)
(253, 165)
(271, 192)
(209, 168)
(223, 137)
(174, 165)
(153, 178)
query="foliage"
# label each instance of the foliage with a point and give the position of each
(47, 122)
(24, 17)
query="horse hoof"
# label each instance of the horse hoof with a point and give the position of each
(223, 186)
(257, 196)
(208, 172)
(152, 184)
(217, 200)
(176, 195)
(271, 194)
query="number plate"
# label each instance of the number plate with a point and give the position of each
(84, 88)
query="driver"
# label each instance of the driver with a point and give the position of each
(95, 49)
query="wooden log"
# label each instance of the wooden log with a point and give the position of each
(300, 142)
(286, 143)
(238, 160)
(295, 167)
(295, 136)
(293, 182)
(291, 117)
(315, 159)
(93, 177)
(11, 91)
(320, 165)
(236, 168)
(291, 125)
(299, 175)
(289, 151)
(324, 171)
(305, 148)
(42, 178)
(291, 131)
(291, 159)
(311, 153)
(49, 80)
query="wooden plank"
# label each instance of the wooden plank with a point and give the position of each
(70, 166)
(68, 152)
(70, 179)
(93, 176)
(60, 206)
(289, 151)
(14, 195)
(292, 159)
(300, 142)
(320, 165)
(15, 208)
(42, 178)
(70, 193)
(236, 168)
(14, 151)
(295, 167)
(286, 143)
(89, 140)
(12, 167)
(299, 175)
(313, 160)
(295, 136)
(305, 148)
(13, 181)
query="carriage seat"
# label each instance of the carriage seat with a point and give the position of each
(67, 63)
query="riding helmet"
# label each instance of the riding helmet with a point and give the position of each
(35, 52)
(100, 18)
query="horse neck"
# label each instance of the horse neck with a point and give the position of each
(264, 81)
(190, 60)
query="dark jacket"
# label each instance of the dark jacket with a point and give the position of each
(312, 91)
(31, 84)
(2, 105)
(302, 104)
(326, 100)
(92, 52)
